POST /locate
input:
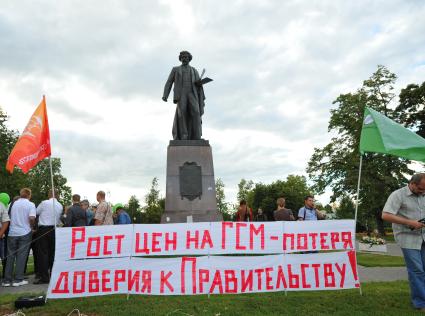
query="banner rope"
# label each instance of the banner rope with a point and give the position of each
(33, 240)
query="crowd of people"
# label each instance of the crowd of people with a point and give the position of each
(306, 213)
(25, 227)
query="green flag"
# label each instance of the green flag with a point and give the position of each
(382, 135)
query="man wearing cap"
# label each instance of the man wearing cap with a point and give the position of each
(4, 224)
(122, 215)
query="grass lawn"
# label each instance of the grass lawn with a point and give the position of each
(372, 260)
(386, 298)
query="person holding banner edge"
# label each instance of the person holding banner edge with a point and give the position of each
(405, 209)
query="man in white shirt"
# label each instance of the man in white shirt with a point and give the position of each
(49, 212)
(22, 220)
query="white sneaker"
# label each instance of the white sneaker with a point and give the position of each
(23, 282)
(6, 284)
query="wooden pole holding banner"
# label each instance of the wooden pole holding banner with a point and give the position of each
(53, 188)
(355, 213)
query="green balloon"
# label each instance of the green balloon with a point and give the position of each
(5, 199)
(116, 206)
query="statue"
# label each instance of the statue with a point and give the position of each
(189, 97)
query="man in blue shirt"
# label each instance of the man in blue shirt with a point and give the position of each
(309, 212)
(122, 215)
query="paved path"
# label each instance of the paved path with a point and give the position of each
(392, 250)
(377, 274)
(382, 274)
(29, 288)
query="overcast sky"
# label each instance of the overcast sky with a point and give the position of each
(277, 66)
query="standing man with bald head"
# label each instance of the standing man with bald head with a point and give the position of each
(405, 208)
(103, 215)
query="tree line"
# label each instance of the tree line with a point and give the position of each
(335, 166)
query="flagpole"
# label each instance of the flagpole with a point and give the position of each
(357, 207)
(358, 188)
(53, 189)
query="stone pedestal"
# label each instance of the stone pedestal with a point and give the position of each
(190, 188)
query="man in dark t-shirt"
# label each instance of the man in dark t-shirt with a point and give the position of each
(282, 213)
(76, 216)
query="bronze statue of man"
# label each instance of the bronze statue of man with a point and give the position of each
(189, 97)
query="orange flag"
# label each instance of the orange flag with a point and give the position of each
(34, 143)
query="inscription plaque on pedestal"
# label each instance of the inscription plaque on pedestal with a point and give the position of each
(190, 181)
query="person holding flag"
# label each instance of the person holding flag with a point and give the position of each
(405, 207)
(32, 146)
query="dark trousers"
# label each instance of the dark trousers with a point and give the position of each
(33, 247)
(45, 251)
(3, 254)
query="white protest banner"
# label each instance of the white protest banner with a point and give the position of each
(318, 235)
(203, 239)
(90, 277)
(204, 275)
(93, 242)
(247, 237)
(173, 239)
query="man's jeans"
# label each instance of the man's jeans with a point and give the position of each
(17, 247)
(415, 264)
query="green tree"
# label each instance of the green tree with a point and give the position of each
(37, 179)
(9, 183)
(134, 210)
(293, 189)
(412, 107)
(337, 164)
(346, 208)
(222, 205)
(244, 187)
(154, 207)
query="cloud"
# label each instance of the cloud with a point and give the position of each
(277, 67)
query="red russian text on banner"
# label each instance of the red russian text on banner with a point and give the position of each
(34, 143)
(204, 275)
(93, 242)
